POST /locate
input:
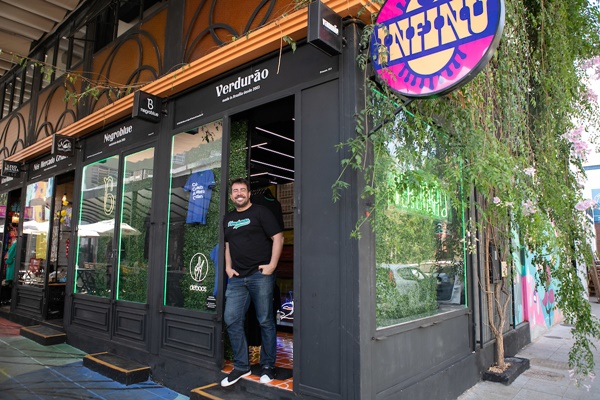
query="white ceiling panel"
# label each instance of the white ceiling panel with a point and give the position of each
(23, 22)
(41, 8)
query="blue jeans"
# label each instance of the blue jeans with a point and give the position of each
(259, 288)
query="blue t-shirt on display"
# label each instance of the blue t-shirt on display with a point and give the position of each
(200, 185)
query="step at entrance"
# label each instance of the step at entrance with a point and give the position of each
(43, 335)
(242, 390)
(248, 388)
(117, 368)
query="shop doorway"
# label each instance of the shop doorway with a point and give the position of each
(262, 149)
(60, 243)
(43, 247)
(10, 207)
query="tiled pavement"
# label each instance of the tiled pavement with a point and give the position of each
(548, 375)
(30, 371)
(285, 359)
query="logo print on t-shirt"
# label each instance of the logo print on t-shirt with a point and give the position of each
(239, 223)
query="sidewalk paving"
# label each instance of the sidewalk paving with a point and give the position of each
(29, 371)
(548, 375)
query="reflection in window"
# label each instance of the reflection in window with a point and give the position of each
(119, 17)
(419, 248)
(78, 44)
(135, 221)
(48, 68)
(18, 90)
(61, 233)
(36, 222)
(95, 255)
(7, 105)
(194, 222)
(62, 58)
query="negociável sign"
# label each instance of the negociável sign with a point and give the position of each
(428, 48)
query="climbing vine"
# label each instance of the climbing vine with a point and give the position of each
(514, 138)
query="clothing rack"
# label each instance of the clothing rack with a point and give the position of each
(265, 191)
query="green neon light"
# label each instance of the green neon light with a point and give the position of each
(164, 299)
(425, 200)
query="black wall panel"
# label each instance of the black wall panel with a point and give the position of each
(91, 314)
(29, 300)
(318, 335)
(189, 336)
(130, 323)
(405, 359)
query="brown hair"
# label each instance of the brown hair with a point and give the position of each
(241, 180)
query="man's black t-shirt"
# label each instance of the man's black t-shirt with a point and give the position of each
(249, 236)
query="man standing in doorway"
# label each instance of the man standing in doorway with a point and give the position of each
(253, 244)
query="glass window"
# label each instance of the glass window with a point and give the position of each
(3, 201)
(78, 44)
(8, 96)
(419, 247)
(61, 233)
(17, 92)
(36, 222)
(5, 238)
(95, 255)
(28, 83)
(62, 59)
(48, 67)
(194, 221)
(135, 221)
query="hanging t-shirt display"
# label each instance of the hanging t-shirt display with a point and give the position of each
(200, 185)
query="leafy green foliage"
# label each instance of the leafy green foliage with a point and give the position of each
(399, 304)
(511, 138)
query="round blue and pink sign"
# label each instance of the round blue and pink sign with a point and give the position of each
(428, 48)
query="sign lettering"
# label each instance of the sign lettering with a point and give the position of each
(424, 48)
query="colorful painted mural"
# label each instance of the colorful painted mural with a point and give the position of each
(534, 303)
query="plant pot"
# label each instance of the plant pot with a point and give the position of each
(517, 367)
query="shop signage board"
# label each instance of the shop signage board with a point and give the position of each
(324, 28)
(146, 106)
(11, 169)
(119, 136)
(8, 182)
(255, 81)
(49, 165)
(63, 145)
(428, 48)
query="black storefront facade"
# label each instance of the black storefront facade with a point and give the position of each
(39, 221)
(183, 344)
(142, 275)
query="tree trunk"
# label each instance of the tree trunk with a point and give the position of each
(500, 352)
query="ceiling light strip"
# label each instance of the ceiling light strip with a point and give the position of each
(271, 165)
(276, 152)
(282, 177)
(274, 134)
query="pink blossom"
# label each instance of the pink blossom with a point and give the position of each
(594, 64)
(529, 171)
(497, 200)
(574, 135)
(590, 96)
(579, 146)
(585, 204)
(528, 208)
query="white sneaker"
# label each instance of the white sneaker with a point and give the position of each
(233, 377)
(267, 375)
